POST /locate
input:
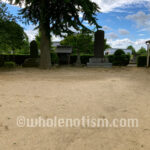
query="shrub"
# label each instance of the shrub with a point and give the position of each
(33, 49)
(119, 58)
(122, 60)
(31, 62)
(110, 58)
(18, 59)
(1, 61)
(141, 61)
(85, 58)
(54, 58)
(119, 52)
(9, 64)
(73, 58)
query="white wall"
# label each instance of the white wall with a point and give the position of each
(111, 51)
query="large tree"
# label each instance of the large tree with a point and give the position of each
(57, 17)
(80, 42)
(12, 36)
(4, 13)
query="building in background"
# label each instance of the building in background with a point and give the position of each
(111, 51)
(55, 43)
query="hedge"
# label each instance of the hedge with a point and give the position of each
(9, 64)
(142, 61)
(19, 59)
(119, 60)
(119, 52)
(73, 58)
(84, 58)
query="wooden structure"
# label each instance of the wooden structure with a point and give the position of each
(64, 53)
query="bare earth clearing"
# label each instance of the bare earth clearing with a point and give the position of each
(75, 92)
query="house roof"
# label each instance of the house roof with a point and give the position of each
(64, 49)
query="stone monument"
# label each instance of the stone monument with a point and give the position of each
(34, 59)
(98, 60)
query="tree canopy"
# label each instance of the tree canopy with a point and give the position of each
(106, 45)
(5, 15)
(132, 48)
(82, 42)
(63, 16)
(12, 35)
(142, 51)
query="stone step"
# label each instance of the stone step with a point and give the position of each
(103, 65)
(98, 60)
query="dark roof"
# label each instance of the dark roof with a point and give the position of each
(64, 49)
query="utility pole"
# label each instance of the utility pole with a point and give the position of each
(148, 52)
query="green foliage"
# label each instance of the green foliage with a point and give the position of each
(33, 49)
(61, 15)
(133, 49)
(106, 46)
(119, 58)
(119, 52)
(84, 58)
(4, 14)
(141, 61)
(110, 58)
(31, 62)
(38, 39)
(12, 36)
(9, 64)
(54, 58)
(142, 51)
(82, 42)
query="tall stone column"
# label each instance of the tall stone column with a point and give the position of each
(99, 60)
(99, 44)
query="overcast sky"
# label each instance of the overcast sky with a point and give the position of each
(125, 22)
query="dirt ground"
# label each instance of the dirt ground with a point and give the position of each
(72, 93)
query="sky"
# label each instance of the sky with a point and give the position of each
(125, 22)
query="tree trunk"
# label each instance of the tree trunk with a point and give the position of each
(45, 59)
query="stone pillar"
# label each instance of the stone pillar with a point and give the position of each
(99, 60)
(99, 44)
